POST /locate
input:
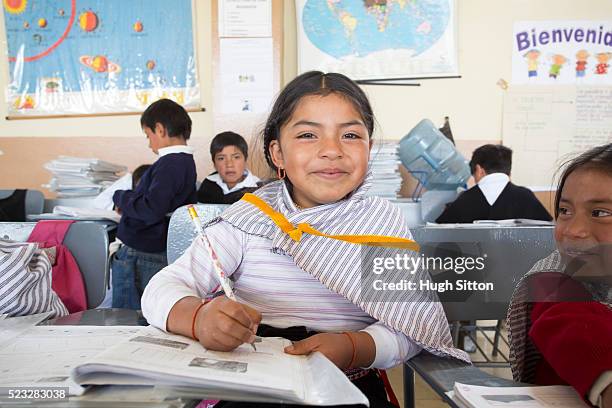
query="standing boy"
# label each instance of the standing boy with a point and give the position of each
(168, 184)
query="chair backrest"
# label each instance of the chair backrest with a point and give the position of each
(508, 252)
(34, 201)
(88, 243)
(181, 231)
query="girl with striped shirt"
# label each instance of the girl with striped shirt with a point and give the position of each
(293, 250)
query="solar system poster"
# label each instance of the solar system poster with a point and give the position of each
(86, 56)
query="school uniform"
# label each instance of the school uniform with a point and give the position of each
(295, 278)
(494, 198)
(168, 184)
(214, 190)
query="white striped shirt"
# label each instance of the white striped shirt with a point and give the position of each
(272, 284)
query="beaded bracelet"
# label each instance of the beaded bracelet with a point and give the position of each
(354, 349)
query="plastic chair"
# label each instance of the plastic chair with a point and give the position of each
(181, 230)
(34, 202)
(88, 243)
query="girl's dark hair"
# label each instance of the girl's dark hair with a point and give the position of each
(225, 139)
(313, 83)
(599, 158)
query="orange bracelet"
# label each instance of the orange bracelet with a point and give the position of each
(354, 349)
(195, 315)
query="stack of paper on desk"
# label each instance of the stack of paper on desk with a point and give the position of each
(474, 396)
(152, 357)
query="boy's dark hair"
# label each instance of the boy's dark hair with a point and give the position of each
(172, 116)
(138, 173)
(599, 157)
(492, 158)
(225, 139)
(313, 83)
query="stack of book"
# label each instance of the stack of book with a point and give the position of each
(384, 166)
(80, 177)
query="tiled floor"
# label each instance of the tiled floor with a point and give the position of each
(425, 396)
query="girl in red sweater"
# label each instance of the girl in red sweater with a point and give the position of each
(560, 316)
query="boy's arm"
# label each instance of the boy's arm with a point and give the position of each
(154, 203)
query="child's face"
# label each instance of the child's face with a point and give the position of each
(324, 148)
(157, 137)
(230, 164)
(584, 227)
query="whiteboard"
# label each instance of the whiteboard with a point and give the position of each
(546, 125)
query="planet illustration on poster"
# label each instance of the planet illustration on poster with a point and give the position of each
(138, 27)
(88, 21)
(42, 22)
(61, 12)
(100, 63)
(15, 6)
(37, 38)
(26, 25)
(150, 65)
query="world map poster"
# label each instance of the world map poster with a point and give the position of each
(378, 39)
(86, 56)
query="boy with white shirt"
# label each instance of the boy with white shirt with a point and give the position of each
(168, 184)
(231, 180)
(493, 197)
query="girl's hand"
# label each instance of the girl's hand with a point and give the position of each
(338, 348)
(223, 325)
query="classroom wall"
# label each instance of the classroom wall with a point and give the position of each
(473, 102)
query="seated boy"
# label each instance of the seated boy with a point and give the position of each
(494, 197)
(232, 179)
(168, 184)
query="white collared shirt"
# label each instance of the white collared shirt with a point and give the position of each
(492, 186)
(250, 180)
(175, 149)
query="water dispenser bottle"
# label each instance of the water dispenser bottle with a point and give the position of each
(432, 159)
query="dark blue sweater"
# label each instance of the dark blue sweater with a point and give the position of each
(168, 184)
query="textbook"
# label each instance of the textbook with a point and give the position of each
(555, 396)
(267, 374)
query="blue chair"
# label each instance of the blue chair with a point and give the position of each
(88, 243)
(181, 230)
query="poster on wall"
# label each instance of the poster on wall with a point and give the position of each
(378, 40)
(562, 52)
(93, 57)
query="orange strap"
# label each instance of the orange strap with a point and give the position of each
(296, 232)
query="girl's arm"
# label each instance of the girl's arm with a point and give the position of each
(377, 346)
(575, 339)
(171, 298)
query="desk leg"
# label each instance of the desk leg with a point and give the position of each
(408, 387)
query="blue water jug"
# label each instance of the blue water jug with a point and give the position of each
(432, 159)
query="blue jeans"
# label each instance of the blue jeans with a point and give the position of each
(131, 272)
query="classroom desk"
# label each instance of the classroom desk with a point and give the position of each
(100, 317)
(442, 373)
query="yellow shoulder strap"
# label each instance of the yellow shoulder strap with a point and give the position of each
(296, 232)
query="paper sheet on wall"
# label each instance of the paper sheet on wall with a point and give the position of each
(544, 126)
(247, 74)
(245, 18)
(560, 52)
